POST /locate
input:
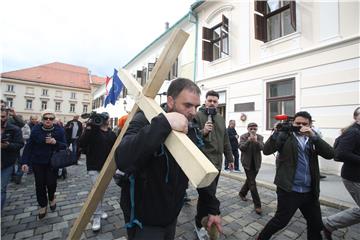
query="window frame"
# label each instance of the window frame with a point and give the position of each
(27, 101)
(85, 108)
(73, 95)
(261, 17)
(72, 107)
(45, 92)
(208, 41)
(9, 102)
(10, 88)
(278, 98)
(44, 103)
(57, 109)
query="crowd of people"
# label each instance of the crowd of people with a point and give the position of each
(153, 186)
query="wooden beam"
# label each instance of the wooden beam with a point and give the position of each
(200, 171)
(159, 73)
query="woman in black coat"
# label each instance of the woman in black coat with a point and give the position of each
(45, 138)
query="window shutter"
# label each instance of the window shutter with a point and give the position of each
(225, 23)
(260, 6)
(207, 50)
(293, 14)
(260, 27)
(138, 74)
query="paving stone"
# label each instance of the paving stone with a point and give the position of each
(24, 234)
(52, 235)
(43, 229)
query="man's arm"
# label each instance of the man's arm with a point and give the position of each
(17, 142)
(141, 141)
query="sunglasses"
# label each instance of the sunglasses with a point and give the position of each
(301, 123)
(251, 129)
(48, 118)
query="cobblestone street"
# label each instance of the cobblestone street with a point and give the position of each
(19, 217)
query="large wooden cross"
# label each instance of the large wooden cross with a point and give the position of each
(200, 171)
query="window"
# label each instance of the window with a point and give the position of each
(85, 108)
(280, 99)
(173, 71)
(28, 104)
(57, 106)
(72, 107)
(10, 102)
(215, 42)
(73, 95)
(274, 19)
(43, 105)
(45, 92)
(10, 88)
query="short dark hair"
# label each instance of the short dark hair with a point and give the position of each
(179, 84)
(303, 114)
(212, 93)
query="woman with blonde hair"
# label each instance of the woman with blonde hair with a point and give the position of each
(45, 138)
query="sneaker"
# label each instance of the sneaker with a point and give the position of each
(201, 233)
(258, 210)
(96, 223)
(242, 197)
(104, 215)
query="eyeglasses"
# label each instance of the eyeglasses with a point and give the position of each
(301, 123)
(48, 118)
(253, 129)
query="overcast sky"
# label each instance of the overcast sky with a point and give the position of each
(99, 35)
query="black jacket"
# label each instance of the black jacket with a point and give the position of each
(233, 139)
(287, 158)
(68, 130)
(13, 135)
(160, 183)
(349, 150)
(97, 145)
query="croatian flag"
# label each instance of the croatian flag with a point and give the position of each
(115, 86)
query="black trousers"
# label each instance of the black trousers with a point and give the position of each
(288, 203)
(150, 232)
(45, 183)
(207, 202)
(250, 184)
(235, 153)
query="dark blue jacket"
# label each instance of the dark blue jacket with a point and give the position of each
(37, 151)
(13, 135)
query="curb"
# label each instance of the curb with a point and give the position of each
(326, 201)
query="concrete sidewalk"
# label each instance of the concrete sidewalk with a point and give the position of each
(332, 189)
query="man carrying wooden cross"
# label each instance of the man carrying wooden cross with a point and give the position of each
(152, 198)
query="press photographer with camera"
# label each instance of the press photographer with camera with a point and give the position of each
(97, 139)
(217, 144)
(297, 174)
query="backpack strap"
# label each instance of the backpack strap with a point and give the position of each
(133, 220)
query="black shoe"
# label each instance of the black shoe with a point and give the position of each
(322, 176)
(52, 207)
(242, 197)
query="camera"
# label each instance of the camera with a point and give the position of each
(286, 124)
(95, 118)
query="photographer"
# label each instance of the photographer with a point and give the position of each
(217, 143)
(97, 140)
(11, 143)
(297, 174)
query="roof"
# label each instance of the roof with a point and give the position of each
(57, 74)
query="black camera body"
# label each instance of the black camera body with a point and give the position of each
(286, 124)
(95, 118)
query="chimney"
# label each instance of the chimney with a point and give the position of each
(166, 26)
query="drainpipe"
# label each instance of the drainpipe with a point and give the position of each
(193, 14)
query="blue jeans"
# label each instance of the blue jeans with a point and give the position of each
(5, 179)
(74, 146)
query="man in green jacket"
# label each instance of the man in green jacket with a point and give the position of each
(297, 174)
(216, 143)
